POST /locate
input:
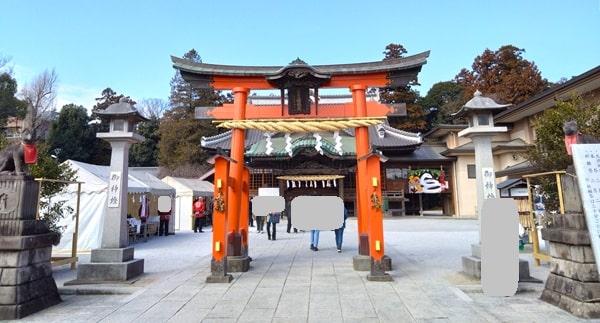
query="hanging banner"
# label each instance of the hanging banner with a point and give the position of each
(426, 180)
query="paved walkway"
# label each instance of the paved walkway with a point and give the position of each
(287, 282)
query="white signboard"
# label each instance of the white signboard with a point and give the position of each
(268, 191)
(519, 191)
(586, 159)
(114, 189)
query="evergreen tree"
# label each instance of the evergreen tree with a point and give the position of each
(10, 106)
(445, 98)
(180, 151)
(71, 136)
(549, 151)
(415, 119)
(145, 153)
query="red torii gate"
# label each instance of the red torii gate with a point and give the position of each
(230, 221)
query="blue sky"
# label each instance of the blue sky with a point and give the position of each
(126, 45)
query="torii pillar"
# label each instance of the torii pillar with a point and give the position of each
(245, 211)
(237, 261)
(218, 263)
(368, 195)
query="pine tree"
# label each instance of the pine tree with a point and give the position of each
(180, 151)
(415, 119)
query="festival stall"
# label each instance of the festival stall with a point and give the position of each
(94, 192)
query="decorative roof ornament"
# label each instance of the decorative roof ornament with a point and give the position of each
(298, 61)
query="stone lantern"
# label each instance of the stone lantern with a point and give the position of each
(122, 118)
(480, 113)
(114, 260)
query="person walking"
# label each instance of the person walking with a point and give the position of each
(260, 223)
(199, 209)
(339, 232)
(288, 214)
(314, 240)
(272, 221)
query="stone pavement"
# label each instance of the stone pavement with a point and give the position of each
(288, 282)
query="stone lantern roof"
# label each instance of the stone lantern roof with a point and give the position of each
(479, 103)
(122, 109)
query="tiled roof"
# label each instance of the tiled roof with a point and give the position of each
(223, 140)
(300, 141)
(424, 153)
(404, 63)
(519, 169)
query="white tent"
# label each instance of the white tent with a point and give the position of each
(94, 192)
(186, 189)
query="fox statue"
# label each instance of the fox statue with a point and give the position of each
(573, 136)
(15, 157)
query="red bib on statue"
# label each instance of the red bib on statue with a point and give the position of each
(30, 153)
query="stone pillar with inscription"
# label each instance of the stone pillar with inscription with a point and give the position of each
(479, 112)
(26, 282)
(114, 261)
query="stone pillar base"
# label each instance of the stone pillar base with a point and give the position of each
(215, 278)
(218, 272)
(472, 266)
(32, 304)
(26, 282)
(387, 263)
(378, 272)
(524, 274)
(238, 264)
(363, 263)
(108, 265)
(571, 305)
(573, 284)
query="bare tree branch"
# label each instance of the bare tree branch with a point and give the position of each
(152, 108)
(40, 95)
